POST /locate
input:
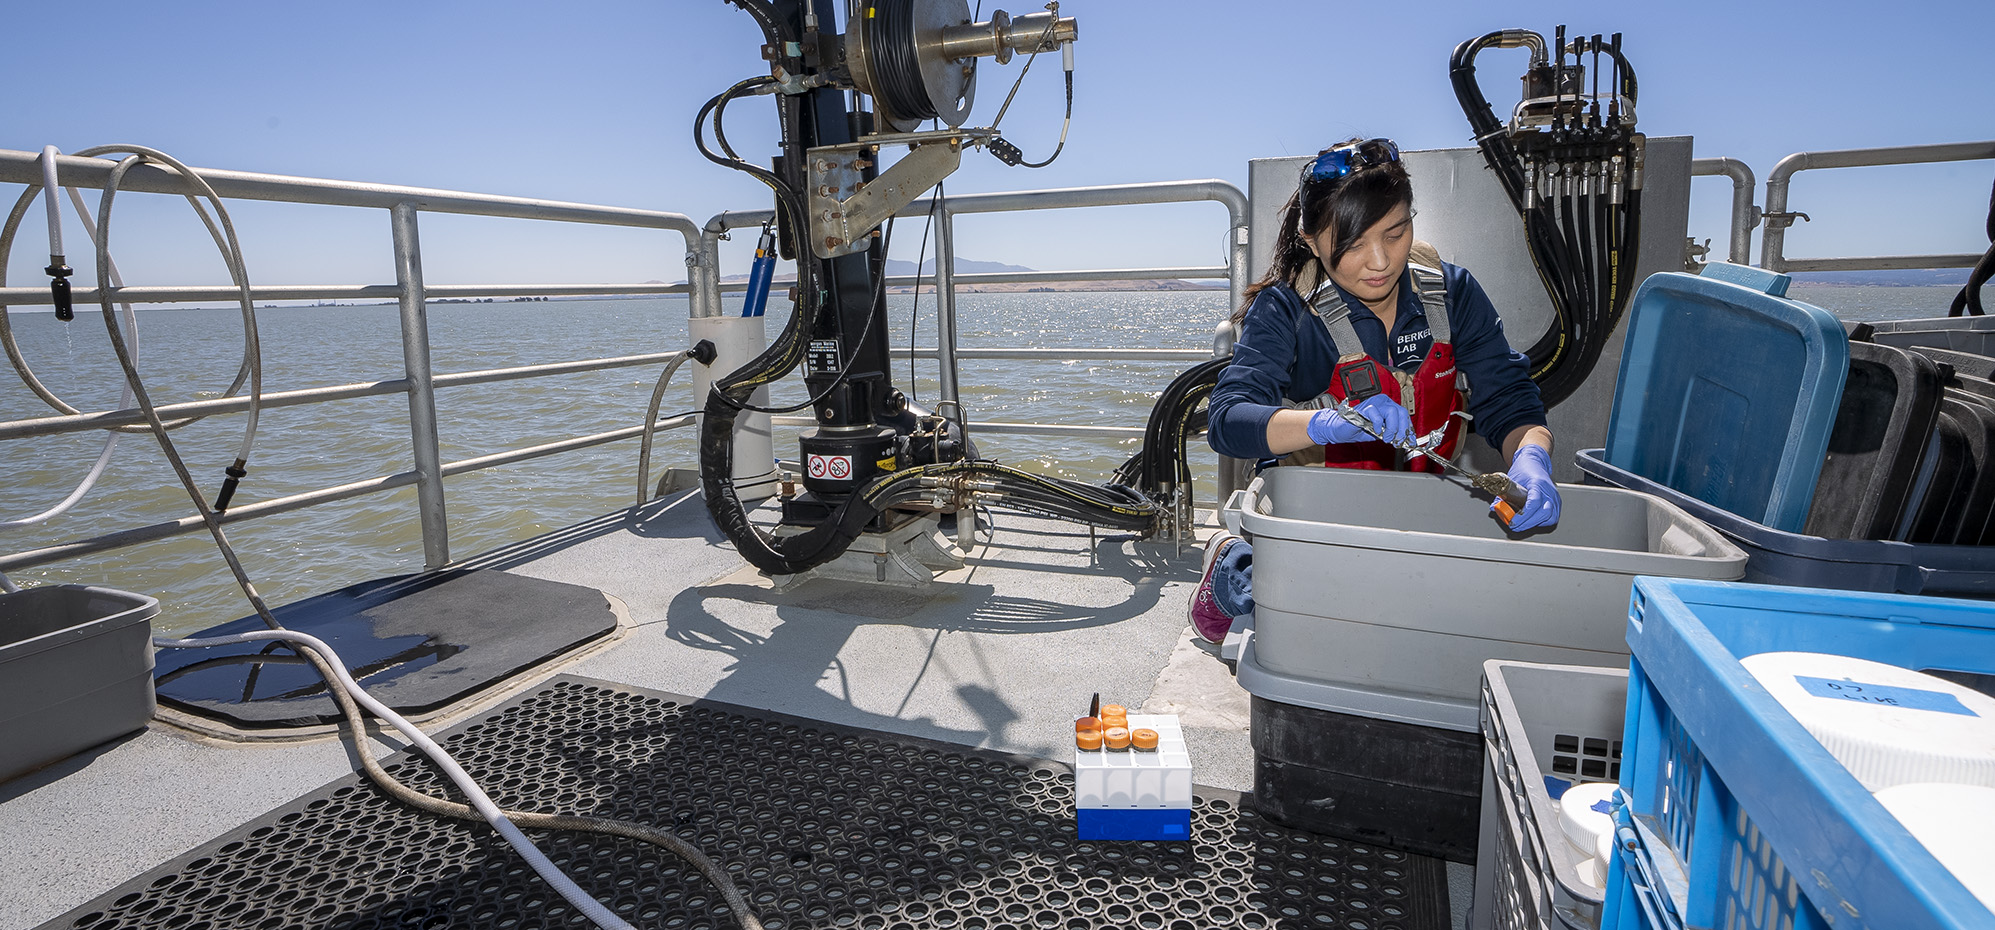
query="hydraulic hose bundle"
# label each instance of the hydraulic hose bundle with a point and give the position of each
(1160, 466)
(1571, 163)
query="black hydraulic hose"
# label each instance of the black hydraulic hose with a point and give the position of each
(774, 27)
(1167, 430)
(1583, 236)
(1174, 418)
(730, 160)
(1497, 150)
(1968, 300)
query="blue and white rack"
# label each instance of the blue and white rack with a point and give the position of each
(1128, 794)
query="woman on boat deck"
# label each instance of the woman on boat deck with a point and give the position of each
(1353, 307)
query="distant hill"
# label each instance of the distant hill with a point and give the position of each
(1913, 277)
(963, 266)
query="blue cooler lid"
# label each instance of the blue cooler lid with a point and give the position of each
(1728, 391)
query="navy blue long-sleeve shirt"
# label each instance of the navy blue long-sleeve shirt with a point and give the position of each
(1284, 351)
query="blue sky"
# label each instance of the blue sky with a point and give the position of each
(594, 102)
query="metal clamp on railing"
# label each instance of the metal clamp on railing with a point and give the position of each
(1784, 220)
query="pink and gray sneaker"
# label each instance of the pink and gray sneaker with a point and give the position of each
(1207, 619)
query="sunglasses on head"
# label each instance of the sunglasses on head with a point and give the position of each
(1345, 160)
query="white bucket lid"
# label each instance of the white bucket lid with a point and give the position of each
(1585, 815)
(1887, 725)
(1957, 825)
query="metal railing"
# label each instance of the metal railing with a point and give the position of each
(1745, 216)
(703, 288)
(1777, 216)
(947, 209)
(404, 205)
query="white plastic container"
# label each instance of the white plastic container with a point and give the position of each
(737, 341)
(1956, 823)
(1888, 725)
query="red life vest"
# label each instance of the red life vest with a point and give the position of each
(1430, 394)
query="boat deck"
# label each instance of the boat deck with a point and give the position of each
(1000, 655)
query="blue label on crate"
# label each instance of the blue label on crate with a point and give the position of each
(1885, 695)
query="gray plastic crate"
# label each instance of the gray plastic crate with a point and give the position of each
(1561, 722)
(1381, 594)
(1975, 334)
(75, 671)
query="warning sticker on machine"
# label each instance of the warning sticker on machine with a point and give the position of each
(834, 467)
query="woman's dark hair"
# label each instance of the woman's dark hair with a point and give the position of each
(1350, 205)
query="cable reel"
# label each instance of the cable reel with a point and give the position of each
(918, 58)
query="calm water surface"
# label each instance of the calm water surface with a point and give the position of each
(189, 354)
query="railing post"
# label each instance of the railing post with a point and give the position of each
(1231, 474)
(1236, 265)
(422, 388)
(1745, 216)
(703, 271)
(945, 302)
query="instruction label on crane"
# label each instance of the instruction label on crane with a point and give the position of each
(823, 356)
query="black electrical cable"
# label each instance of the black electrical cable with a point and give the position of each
(914, 310)
(896, 63)
(1009, 153)
(1064, 123)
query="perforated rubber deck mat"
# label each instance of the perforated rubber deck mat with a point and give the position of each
(823, 826)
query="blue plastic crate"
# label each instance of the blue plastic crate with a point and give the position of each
(1737, 818)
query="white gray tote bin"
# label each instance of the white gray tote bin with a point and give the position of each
(75, 671)
(1541, 722)
(1382, 593)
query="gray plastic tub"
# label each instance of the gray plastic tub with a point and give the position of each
(1381, 594)
(1975, 334)
(75, 671)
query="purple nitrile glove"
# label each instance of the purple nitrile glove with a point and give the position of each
(1385, 414)
(1531, 468)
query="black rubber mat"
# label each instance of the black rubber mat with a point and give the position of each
(416, 642)
(823, 826)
